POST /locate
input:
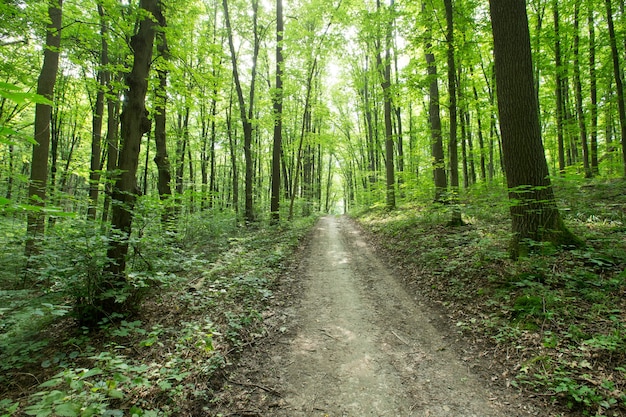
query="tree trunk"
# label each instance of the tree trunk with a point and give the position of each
(232, 142)
(98, 114)
(134, 123)
(533, 209)
(112, 139)
(619, 85)
(580, 112)
(481, 140)
(453, 145)
(192, 180)
(161, 158)
(593, 91)
(278, 116)
(434, 117)
(39, 162)
(303, 130)
(560, 102)
(246, 116)
(385, 73)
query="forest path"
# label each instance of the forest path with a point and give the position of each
(355, 343)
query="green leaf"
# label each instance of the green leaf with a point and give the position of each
(5, 132)
(114, 393)
(92, 372)
(14, 93)
(67, 410)
(51, 383)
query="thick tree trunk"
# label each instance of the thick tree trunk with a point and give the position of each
(135, 123)
(533, 209)
(39, 162)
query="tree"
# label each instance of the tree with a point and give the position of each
(161, 158)
(384, 67)
(434, 117)
(452, 97)
(102, 77)
(533, 207)
(246, 113)
(134, 124)
(278, 114)
(43, 111)
(580, 112)
(619, 84)
(593, 90)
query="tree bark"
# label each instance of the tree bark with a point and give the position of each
(134, 124)
(434, 117)
(619, 85)
(533, 209)
(246, 116)
(456, 219)
(112, 139)
(97, 121)
(384, 67)
(39, 162)
(580, 112)
(560, 101)
(161, 157)
(278, 116)
(593, 91)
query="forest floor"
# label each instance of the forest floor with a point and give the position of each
(348, 339)
(388, 313)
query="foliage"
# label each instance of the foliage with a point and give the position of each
(555, 317)
(205, 304)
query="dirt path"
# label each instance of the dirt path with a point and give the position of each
(357, 344)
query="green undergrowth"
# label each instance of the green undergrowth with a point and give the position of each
(205, 290)
(555, 321)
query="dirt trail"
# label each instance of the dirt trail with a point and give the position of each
(357, 344)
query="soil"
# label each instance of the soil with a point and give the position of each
(345, 338)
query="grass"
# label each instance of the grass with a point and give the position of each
(210, 285)
(555, 319)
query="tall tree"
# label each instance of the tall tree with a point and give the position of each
(278, 115)
(39, 163)
(161, 158)
(246, 113)
(533, 210)
(619, 82)
(434, 117)
(559, 87)
(384, 66)
(97, 120)
(452, 97)
(593, 89)
(134, 124)
(578, 91)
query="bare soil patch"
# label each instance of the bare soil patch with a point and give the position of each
(346, 339)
